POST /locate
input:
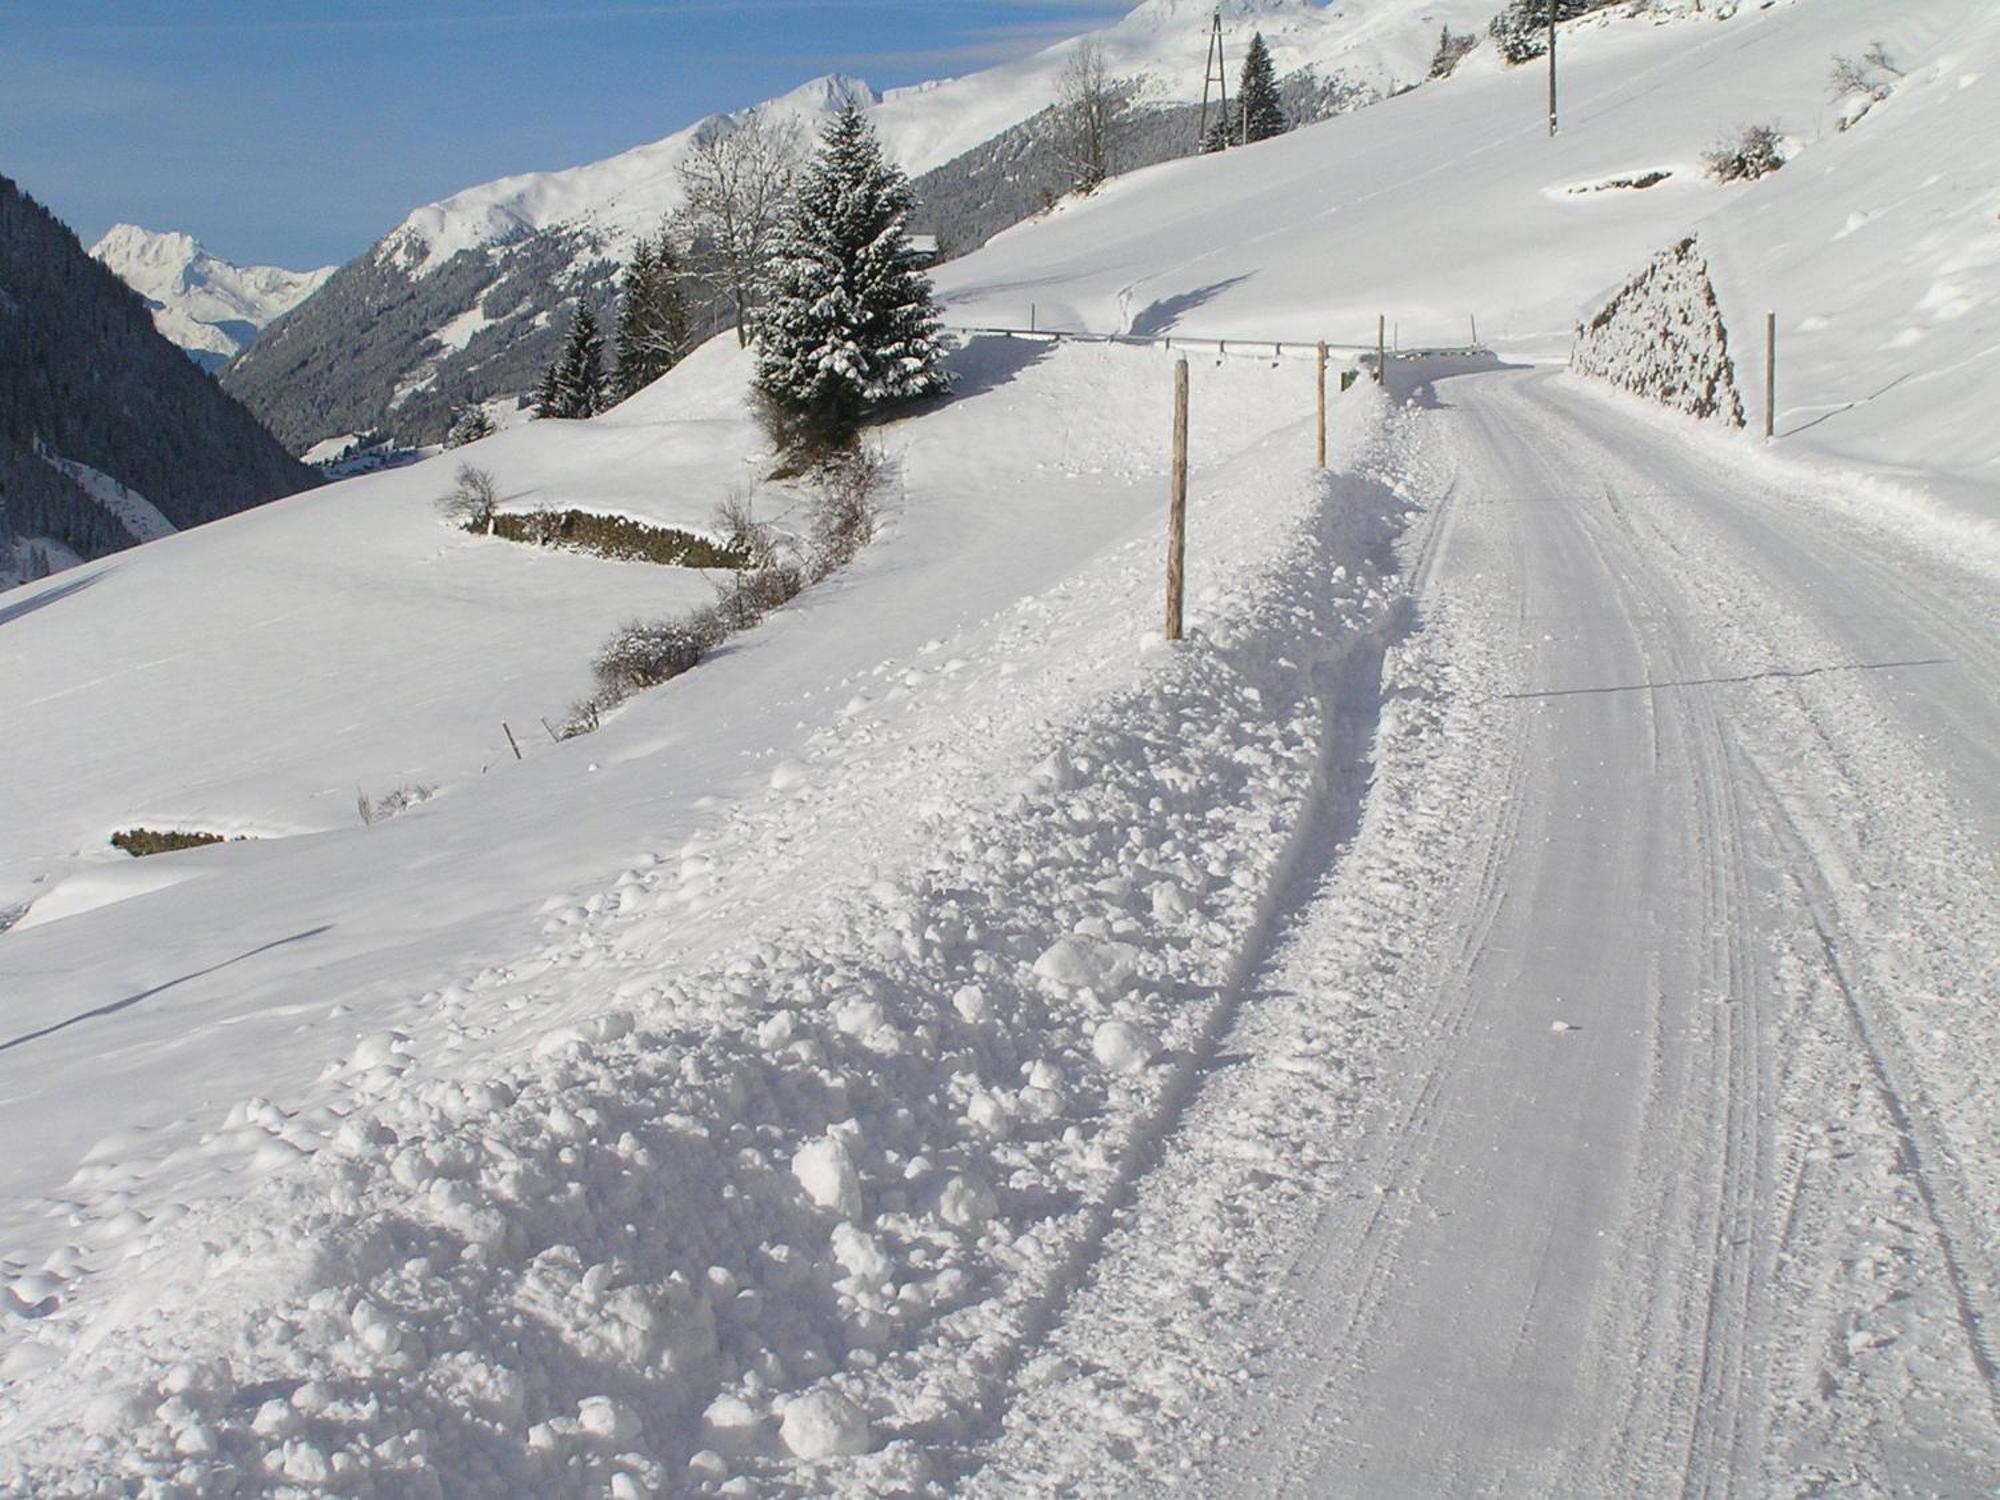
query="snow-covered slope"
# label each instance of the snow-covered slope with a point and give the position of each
(1450, 209)
(478, 280)
(209, 306)
(1159, 47)
(731, 1101)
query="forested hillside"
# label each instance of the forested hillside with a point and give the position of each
(87, 383)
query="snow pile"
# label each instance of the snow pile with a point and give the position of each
(1661, 337)
(209, 306)
(799, 1202)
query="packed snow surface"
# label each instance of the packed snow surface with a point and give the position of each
(1503, 1006)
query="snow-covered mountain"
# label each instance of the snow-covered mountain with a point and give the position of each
(209, 306)
(462, 300)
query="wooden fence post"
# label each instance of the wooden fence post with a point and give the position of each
(1381, 347)
(1319, 380)
(1770, 374)
(1177, 503)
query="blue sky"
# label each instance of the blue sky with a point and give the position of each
(296, 132)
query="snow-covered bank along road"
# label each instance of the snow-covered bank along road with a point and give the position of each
(767, 1163)
(1615, 1114)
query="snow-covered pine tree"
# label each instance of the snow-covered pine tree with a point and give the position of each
(577, 385)
(850, 324)
(1257, 102)
(469, 424)
(1522, 29)
(548, 394)
(652, 334)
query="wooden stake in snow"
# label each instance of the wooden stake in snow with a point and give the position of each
(1770, 374)
(1319, 432)
(1552, 69)
(510, 740)
(1381, 347)
(1177, 504)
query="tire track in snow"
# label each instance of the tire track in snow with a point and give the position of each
(1715, 589)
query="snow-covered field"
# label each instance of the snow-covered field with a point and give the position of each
(1503, 1008)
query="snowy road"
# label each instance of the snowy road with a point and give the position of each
(1614, 1115)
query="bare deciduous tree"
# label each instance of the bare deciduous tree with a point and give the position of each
(736, 181)
(1090, 103)
(474, 500)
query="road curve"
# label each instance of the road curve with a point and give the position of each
(1614, 1115)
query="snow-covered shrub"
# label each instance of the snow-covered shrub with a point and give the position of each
(473, 500)
(845, 506)
(393, 803)
(1451, 50)
(468, 425)
(642, 654)
(749, 596)
(1857, 85)
(1662, 337)
(736, 522)
(1751, 153)
(585, 715)
(1521, 31)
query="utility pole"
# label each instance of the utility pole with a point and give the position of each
(1552, 69)
(1217, 76)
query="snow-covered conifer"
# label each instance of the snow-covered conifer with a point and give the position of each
(850, 323)
(652, 334)
(469, 424)
(1258, 105)
(577, 385)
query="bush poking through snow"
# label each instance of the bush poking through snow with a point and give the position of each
(392, 804)
(1859, 84)
(846, 506)
(747, 597)
(642, 654)
(1751, 153)
(586, 715)
(735, 521)
(1451, 51)
(473, 500)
